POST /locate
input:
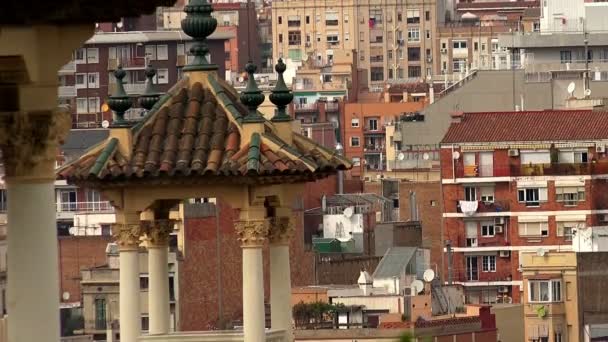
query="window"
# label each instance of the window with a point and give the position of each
(399, 72)
(162, 76)
(354, 122)
(308, 19)
(145, 323)
(488, 263)
(280, 20)
(472, 268)
(533, 229)
(565, 229)
(151, 52)
(544, 291)
(356, 161)
(390, 74)
(470, 193)
(565, 56)
(354, 142)
(487, 228)
(293, 21)
(100, 314)
(346, 18)
(93, 80)
(93, 199)
(333, 39)
(459, 64)
(413, 54)
(475, 46)
(389, 55)
(471, 233)
(413, 34)
(143, 283)
(82, 105)
(487, 194)
(580, 157)
(372, 124)
(532, 196)
(413, 16)
(280, 37)
(558, 337)
(535, 157)
(162, 53)
(375, 17)
(295, 54)
(414, 71)
(294, 38)
(377, 73)
(427, 15)
(80, 56)
(428, 34)
(94, 105)
(3, 204)
(399, 16)
(81, 81)
(569, 195)
(460, 44)
(331, 18)
(92, 55)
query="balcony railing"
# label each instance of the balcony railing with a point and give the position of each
(488, 207)
(306, 107)
(374, 59)
(66, 91)
(211, 336)
(69, 68)
(130, 88)
(85, 207)
(551, 169)
(127, 63)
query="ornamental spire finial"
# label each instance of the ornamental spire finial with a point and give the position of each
(252, 96)
(199, 24)
(120, 102)
(150, 95)
(281, 96)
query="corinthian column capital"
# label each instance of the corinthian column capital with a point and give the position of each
(127, 235)
(252, 233)
(281, 230)
(30, 142)
(157, 232)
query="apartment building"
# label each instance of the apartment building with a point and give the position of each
(87, 81)
(515, 182)
(394, 41)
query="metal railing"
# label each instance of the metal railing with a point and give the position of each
(69, 68)
(101, 206)
(66, 91)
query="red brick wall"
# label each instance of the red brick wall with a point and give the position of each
(77, 253)
(198, 270)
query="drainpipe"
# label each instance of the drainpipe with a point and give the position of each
(448, 246)
(340, 150)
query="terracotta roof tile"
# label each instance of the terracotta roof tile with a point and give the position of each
(197, 132)
(549, 125)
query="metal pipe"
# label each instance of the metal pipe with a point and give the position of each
(448, 245)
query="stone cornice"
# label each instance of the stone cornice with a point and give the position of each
(252, 233)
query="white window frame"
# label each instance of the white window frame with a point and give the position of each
(564, 228)
(488, 263)
(92, 55)
(82, 85)
(524, 196)
(95, 83)
(413, 34)
(354, 122)
(162, 52)
(471, 236)
(570, 195)
(525, 229)
(353, 140)
(356, 161)
(375, 121)
(82, 60)
(554, 291)
(94, 107)
(150, 52)
(487, 194)
(82, 109)
(161, 79)
(470, 193)
(462, 44)
(488, 229)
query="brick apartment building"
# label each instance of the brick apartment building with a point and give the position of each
(518, 181)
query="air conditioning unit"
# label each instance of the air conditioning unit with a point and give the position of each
(504, 254)
(498, 229)
(444, 51)
(503, 289)
(604, 218)
(600, 149)
(499, 220)
(513, 152)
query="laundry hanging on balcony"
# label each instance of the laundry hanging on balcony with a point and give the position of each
(469, 208)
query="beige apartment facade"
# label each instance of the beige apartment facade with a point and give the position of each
(394, 40)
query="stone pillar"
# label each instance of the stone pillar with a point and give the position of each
(281, 230)
(128, 239)
(252, 235)
(29, 143)
(157, 233)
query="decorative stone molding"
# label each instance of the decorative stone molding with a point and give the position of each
(253, 232)
(29, 139)
(157, 232)
(281, 230)
(127, 235)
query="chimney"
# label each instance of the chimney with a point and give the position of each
(457, 116)
(321, 105)
(431, 94)
(413, 207)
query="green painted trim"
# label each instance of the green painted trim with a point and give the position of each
(253, 156)
(103, 157)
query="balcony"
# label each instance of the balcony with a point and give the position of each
(66, 91)
(306, 107)
(551, 169)
(374, 130)
(127, 63)
(211, 336)
(376, 59)
(373, 149)
(67, 69)
(85, 207)
(488, 207)
(130, 88)
(332, 107)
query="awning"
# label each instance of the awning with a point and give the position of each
(571, 218)
(532, 184)
(574, 182)
(522, 219)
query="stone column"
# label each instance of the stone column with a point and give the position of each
(253, 234)
(157, 233)
(281, 230)
(128, 239)
(29, 142)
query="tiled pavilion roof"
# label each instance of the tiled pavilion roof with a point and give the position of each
(196, 131)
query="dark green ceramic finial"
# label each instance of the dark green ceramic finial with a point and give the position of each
(281, 96)
(252, 96)
(199, 24)
(120, 102)
(150, 95)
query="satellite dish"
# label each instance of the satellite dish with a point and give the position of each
(455, 155)
(119, 24)
(426, 156)
(541, 252)
(417, 286)
(571, 88)
(587, 92)
(348, 212)
(401, 156)
(105, 124)
(428, 275)
(65, 295)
